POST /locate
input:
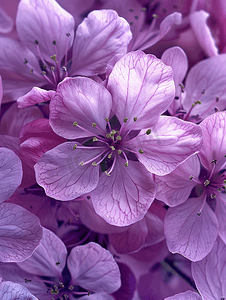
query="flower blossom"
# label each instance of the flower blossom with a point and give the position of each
(120, 139)
(89, 271)
(47, 50)
(196, 192)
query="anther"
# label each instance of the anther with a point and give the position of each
(112, 148)
(148, 131)
(119, 151)
(54, 42)
(131, 10)
(143, 9)
(217, 99)
(75, 146)
(94, 125)
(71, 287)
(219, 189)
(107, 173)
(199, 213)
(191, 177)
(203, 92)
(31, 71)
(216, 109)
(75, 124)
(214, 161)
(25, 61)
(43, 73)
(36, 42)
(52, 69)
(182, 87)
(118, 137)
(106, 119)
(125, 120)
(135, 119)
(57, 263)
(53, 57)
(141, 151)
(109, 156)
(207, 182)
(136, 17)
(94, 163)
(212, 196)
(68, 34)
(176, 98)
(81, 163)
(64, 69)
(126, 164)
(155, 16)
(95, 139)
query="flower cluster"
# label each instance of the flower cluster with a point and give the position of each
(113, 150)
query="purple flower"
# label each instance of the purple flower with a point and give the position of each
(48, 51)
(89, 272)
(121, 139)
(191, 228)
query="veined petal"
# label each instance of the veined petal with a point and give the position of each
(11, 173)
(170, 142)
(210, 273)
(214, 141)
(14, 291)
(142, 87)
(99, 37)
(20, 233)
(46, 22)
(198, 22)
(189, 295)
(48, 259)
(206, 82)
(188, 233)
(124, 197)
(175, 188)
(93, 268)
(36, 95)
(62, 176)
(80, 100)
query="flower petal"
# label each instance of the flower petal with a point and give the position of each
(48, 23)
(189, 295)
(59, 172)
(124, 197)
(36, 95)
(48, 259)
(6, 22)
(20, 233)
(142, 87)
(210, 273)
(175, 188)
(214, 141)
(206, 82)
(99, 37)
(80, 100)
(190, 234)
(170, 142)
(14, 291)
(94, 268)
(198, 22)
(11, 173)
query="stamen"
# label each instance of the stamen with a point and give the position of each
(127, 162)
(89, 132)
(214, 161)
(148, 131)
(140, 151)
(82, 163)
(193, 179)
(201, 209)
(47, 78)
(135, 119)
(112, 167)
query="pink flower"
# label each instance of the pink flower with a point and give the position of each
(121, 139)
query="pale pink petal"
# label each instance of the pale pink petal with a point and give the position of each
(206, 82)
(98, 38)
(189, 295)
(210, 273)
(170, 142)
(48, 23)
(124, 197)
(176, 187)
(6, 22)
(93, 221)
(189, 233)
(93, 268)
(198, 22)
(48, 259)
(80, 100)
(15, 118)
(141, 87)
(131, 239)
(36, 95)
(220, 212)
(177, 59)
(62, 176)
(214, 141)
(11, 173)
(14, 291)
(20, 233)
